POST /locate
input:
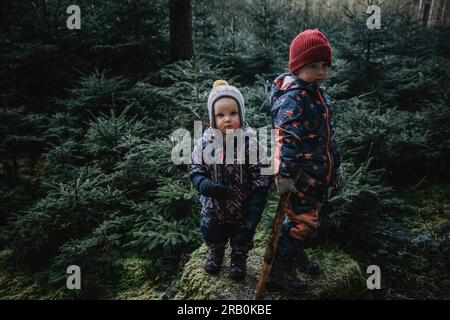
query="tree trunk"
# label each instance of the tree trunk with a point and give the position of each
(432, 12)
(436, 13)
(181, 34)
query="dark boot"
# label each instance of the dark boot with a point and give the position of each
(238, 265)
(215, 258)
(284, 275)
(303, 263)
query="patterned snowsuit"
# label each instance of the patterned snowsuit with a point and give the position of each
(236, 217)
(306, 152)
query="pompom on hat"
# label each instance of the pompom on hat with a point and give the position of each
(308, 47)
(222, 89)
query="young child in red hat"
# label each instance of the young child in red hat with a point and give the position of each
(307, 160)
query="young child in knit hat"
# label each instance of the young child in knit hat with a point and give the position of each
(308, 160)
(232, 194)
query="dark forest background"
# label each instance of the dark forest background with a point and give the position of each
(86, 116)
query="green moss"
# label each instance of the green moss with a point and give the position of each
(430, 212)
(134, 283)
(196, 283)
(341, 277)
(17, 285)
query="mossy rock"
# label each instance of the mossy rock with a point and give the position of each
(341, 277)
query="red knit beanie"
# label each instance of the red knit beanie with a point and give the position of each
(308, 47)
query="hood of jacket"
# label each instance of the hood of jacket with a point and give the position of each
(287, 82)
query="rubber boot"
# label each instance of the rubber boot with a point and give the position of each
(238, 265)
(283, 275)
(303, 263)
(214, 260)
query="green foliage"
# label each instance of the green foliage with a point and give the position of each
(414, 83)
(108, 185)
(356, 206)
(132, 171)
(175, 96)
(20, 137)
(70, 210)
(85, 153)
(109, 137)
(156, 234)
(398, 140)
(96, 254)
(257, 103)
(94, 93)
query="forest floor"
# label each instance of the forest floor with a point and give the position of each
(416, 271)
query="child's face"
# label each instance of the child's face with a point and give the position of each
(226, 113)
(315, 72)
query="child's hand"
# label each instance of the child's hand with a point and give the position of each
(285, 185)
(210, 188)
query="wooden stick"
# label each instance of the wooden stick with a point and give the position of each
(272, 244)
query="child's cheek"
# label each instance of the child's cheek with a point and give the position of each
(237, 123)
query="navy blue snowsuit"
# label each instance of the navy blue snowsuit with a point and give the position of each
(306, 152)
(236, 215)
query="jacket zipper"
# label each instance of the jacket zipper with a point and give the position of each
(224, 202)
(328, 179)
